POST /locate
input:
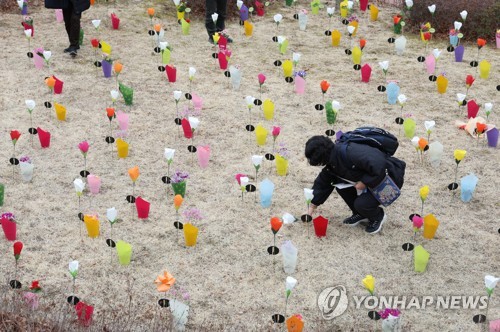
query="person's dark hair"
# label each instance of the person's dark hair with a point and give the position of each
(318, 149)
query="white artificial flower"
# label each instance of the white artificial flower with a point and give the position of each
(244, 181)
(457, 25)
(111, 214)
(336, 105)
(239, 3)
(308, 194)
(402, 99)
(73, 268)
(47, 55)
(30, 104)
(436, 52)
(79, 186)
(488, 107)
(460, 97)
(177, 95)
(330, 11)
(463, 14)
(278, 18)
(351, 29)
(409, 3)
(432, 8)
(429, 125)
(415, 140)
(193, 122)
(169, 154)
(96, 23)
(257, 160)
(163, 45)
(192, 71)
(114, 95)
(384, 65)
(28, 33)
(350, 4)
(249, 100)
(296, 57)
(490, 282)
(281, 39)
(290, 284)
(215, 16)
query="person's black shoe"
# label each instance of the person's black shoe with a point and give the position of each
(211, 40)
(376, 225)
(71, 48)
(229, 39)
(354, 220)
(73, 53)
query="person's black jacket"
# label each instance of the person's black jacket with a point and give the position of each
(79, 6)
(365, 163)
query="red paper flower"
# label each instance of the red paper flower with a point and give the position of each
(324, 86)
(469, 80)
(397, 19)
(481, 42)
(110, 112)
(35, 286)
(95, 43)
(427, 36)
(18, 247)
(14, 136)
(276, 224)
(362, 43)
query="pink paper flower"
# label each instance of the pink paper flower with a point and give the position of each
(84, 147)
(417, 222)
(238, 177)
(276, 131)
(262, 78)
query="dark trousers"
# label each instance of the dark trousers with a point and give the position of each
(365, 204)
(219, 7)
(72, 24)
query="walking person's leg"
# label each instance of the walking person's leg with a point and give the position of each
(210, 8)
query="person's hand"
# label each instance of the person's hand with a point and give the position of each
(360, 185)
(311, 210)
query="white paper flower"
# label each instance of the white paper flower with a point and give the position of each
(409, 3)
(249, 100)
(308, 194)
(169, 154)
(432, 8)
(384, 65)
(177, 2)
(163, 45)
(30, 104)
(288, 218)
(436, 52)
(257, 160)
(350, 29)
(47, 55)
(415, 140)
(429, 125)
(296, 57)
(215, 16)
(330, 11)
(290, 284)
(460, 97)
(463, 14)
(488, 107)
(350, 4)
(244, 181)
(177, 95)
(79, 186)
(239, 3)
(193, 122)
(111, 214)
(281, 39)
(73, 268)
(457, 25)
(402, 99)
(192, 71)
(28, 33)
(490, 282)
(114, 95)
(96, 23)
(278, 18)
(336, 105)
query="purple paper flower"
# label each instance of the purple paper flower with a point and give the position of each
(179, 176)
(384, 314)
(8, 215)
(25, 159)
(193, 214)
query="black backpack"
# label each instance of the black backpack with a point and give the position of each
(372, 136)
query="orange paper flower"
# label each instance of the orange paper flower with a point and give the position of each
(362, 43)
(151, 12)
(164, 282)
(178, 201)
(481, 42)
(117, 67)
(134, 173)
(276, 224)
(422, 143)
(110, 112)
(157, 28)
(324, 86)
(50, 81)
(397, 19)
(480, 128)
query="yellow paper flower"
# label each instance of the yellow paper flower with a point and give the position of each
(164, 282)
(459, 155)
(424, 192)
(369, 283)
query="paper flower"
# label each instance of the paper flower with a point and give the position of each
(94, 42)
(384, 65)
(114, 95)
(463, 14)
(330, 11)
(14, 136)
(369, 283)
(28, 33)
(18, 247)
(177, 95)
(490, 283)
(134, 173)
(276, 224)
(417, 222)
(481, 42)
(193, 122)
(422, 144)
(278, 18)
(324, 86)
(249, 100)
(262, 78)
(351, 29)
(96, 23)
(30, 104)
(308, 193)
(169, 155)
(178, 202)
(424, 192)
(79, 186)
(151, 12)
(164, 282)
(257, 161)
(487, 108)
(457, 25)
(459, 155)
(35, 286)
(432, 9)
(276, 131)
(192, 71)
(290, 284)
(436, 53)
(84, 147)
(73, 269)
(295, 58)
(111, 215)
(409, 3)
(402, 100)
